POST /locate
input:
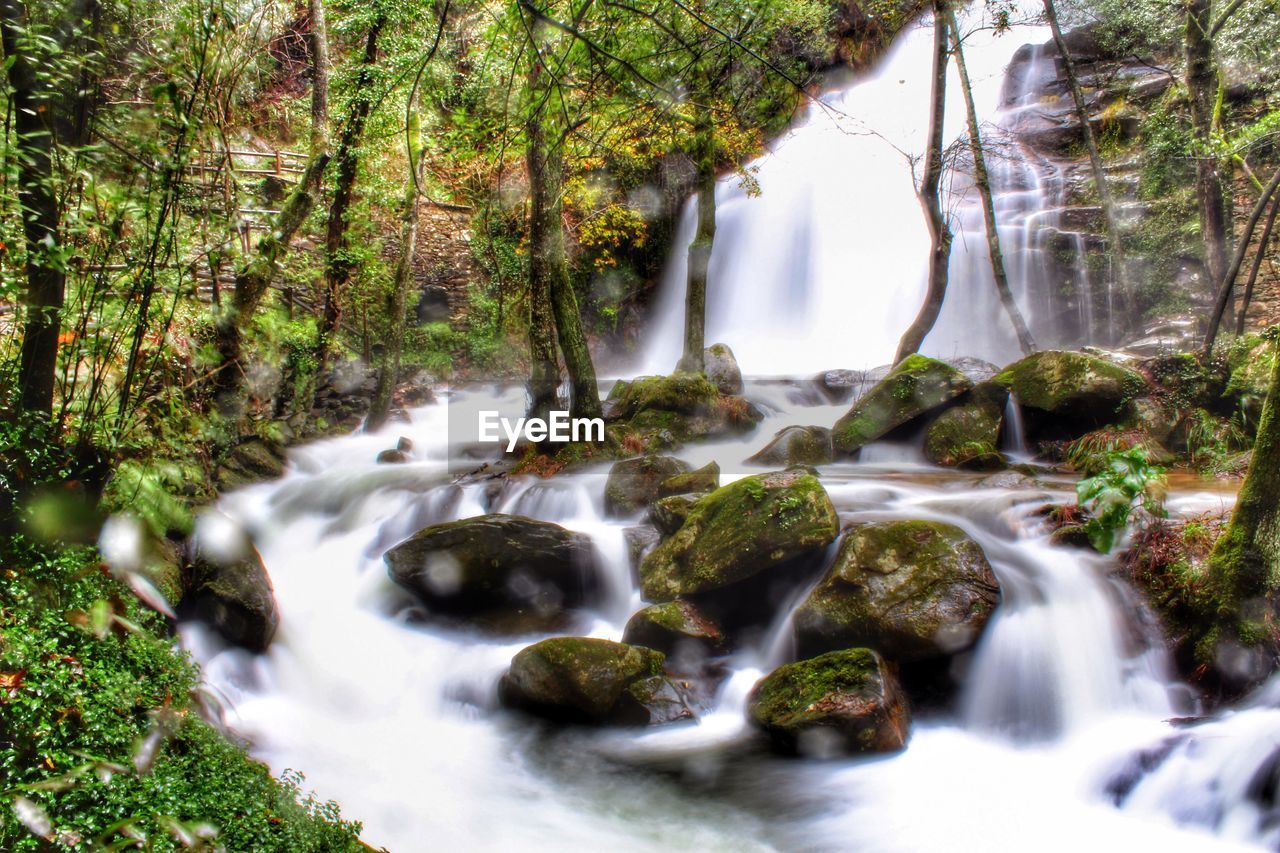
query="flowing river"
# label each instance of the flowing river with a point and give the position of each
(1064, 732)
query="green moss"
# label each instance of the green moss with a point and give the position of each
(683, 393)
(967, 435)
(787, 696)
(916, 386)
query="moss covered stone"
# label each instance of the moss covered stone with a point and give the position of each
(797, 445)
(675, 626)
(229, 590)
(580, 680)
(670, 513)
(741, 530)
(841, 701)
(680, 393)
(722, 369)
(633, 484)
(917, 386)
(506, 571)
(913, 590)
(967, 435)
(703, 480)
(1066, 394)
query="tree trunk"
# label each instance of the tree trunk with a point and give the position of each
(549, 268)
(695, 311)
(930, 196)
(398, 303)
(253, 279)
(983, 181)
(1115, 244)
(319, 77)
(1263, 242)
(1227, 285)
(1246, 558)
(1202, 85)
(337, 266)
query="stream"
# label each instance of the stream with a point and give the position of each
(1064, 733)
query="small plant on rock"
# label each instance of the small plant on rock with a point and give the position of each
(1126, 482)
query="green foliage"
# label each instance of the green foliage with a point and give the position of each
(1127, 481)
(152, 491)
(1216, 445)
(100, 711)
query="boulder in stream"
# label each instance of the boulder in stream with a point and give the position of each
(917, 386)
(1066, 394)
(592, 681)
(844, 701)
(796, 445)
(227, 588)
(677, 628)
(722, 369)
(633, 484)
(741, 530)
(510, 572)
(967, 435)
(670, 513)
(703, 480)
(912, 590)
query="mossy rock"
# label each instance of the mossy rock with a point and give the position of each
(967, 435)
(677, 628)
(507, 572)
(1066, 394)
(843, 701)
(670, 513)
(253, 460)
(703, 480)
(740, 530)
(912, 590)
(581, 680)
(679, 393)
(915, 387)
(1250, 377)
(633, 484)
(229, 590)
(722, 369)
(796, 445)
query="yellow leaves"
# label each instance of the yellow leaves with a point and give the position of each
(610, 228)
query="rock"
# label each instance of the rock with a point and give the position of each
(1066, 394)
(509, 572)
(584, 680)
(967, 435)
(722, 369)
(680, 393)
(253, 460)
(915, 387)
(633, 484)
(228, 588)
(1152, 417)
(703, 480)
(670, 513)
(1008, 480)
(400, 454)
(740, 530)
(912, 590)
(660, 700)
(976, 370)
(839, 386)
(845, 701)
(797, 445)
(665, 411)
(678, 629)
(640, 539)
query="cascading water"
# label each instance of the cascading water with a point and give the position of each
(1059, 738)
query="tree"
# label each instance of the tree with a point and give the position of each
(1263, 242)
(930, 196)
(319, 76)
(1227, 284)
(983, 182)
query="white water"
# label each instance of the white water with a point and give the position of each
(398, 721)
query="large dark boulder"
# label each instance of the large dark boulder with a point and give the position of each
(228, 588)
(845, 701)
(741, 530)
(676, 628)
(722, 369)
(796, 445)
(917, 386)
(1066, 394)
(512, 573)
(913, 590)
(633, 484)
(967, 435)
(592, 681)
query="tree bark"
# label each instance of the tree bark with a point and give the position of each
(983, 181)
(549, 268)
(930, 196)
(1119, 268)
(338, 266)
(319, 77)
(1227, 285)
(695, 311)
(398, 303)
(253, 279)
(1263, 242)
(1202, 85)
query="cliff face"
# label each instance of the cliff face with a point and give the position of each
(1137, 110)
